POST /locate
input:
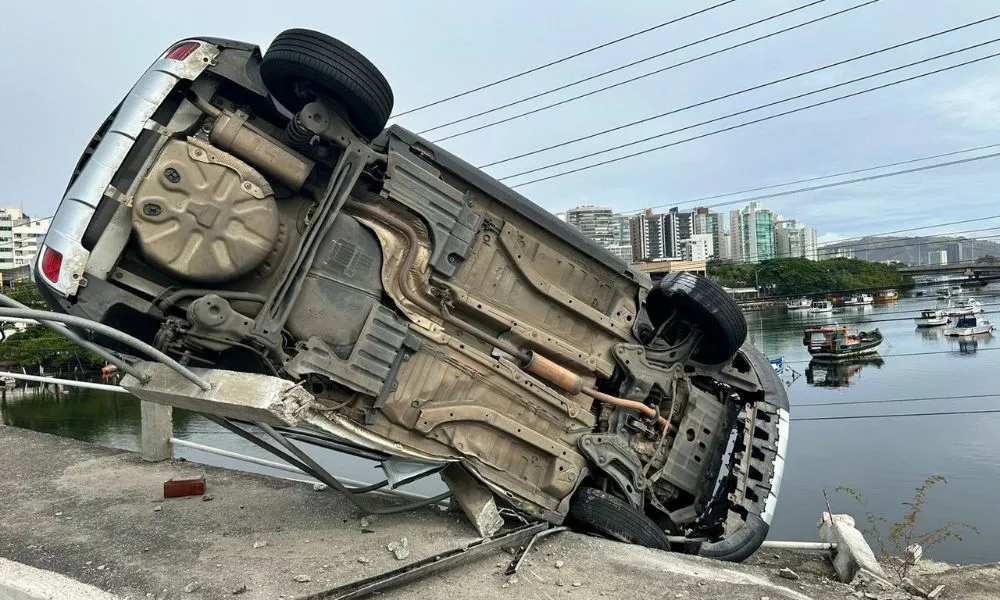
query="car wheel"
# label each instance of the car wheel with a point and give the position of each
(705, 304)
(300, 63)
(607, 515)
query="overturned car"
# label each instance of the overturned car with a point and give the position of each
(248, 216)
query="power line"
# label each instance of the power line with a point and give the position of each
(698, 201)
(638, 77)
(933, 353)
(893, 416)
(897, 400)
(729, 95)
(755, 108)
(564, 59)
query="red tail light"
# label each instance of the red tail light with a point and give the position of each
(51, 264)
(182, 50)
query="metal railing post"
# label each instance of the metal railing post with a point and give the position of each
(157, 429)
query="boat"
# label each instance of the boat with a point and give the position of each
(778, 364)
(834, 342)
(800, 304)
(886, 296)
(943, 293)
(859, 300)
(956, 290)
(932, 318)
(821, 306)
(965, 307)
(969, 325)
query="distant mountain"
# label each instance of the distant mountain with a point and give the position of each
(911, 250)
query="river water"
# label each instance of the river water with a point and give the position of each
(883, 459)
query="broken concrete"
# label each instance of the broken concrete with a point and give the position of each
(853, 553)
(474, 498)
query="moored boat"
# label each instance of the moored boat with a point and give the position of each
(822, 306)
(965, 307)
(969, 325)
(859, 300)
(886, 296)
(932, 318)
(799, 304)
(834, 342)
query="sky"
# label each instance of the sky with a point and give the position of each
(63, 75)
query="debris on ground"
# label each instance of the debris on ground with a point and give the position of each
(319, 487)
(787, 573)
(363, 560)
(559, 564)
(179, 488)
(303, 578)
(157, 508)
(259, 544)
(401, 548)
(192, 587)
(207, 498)
(240, 589)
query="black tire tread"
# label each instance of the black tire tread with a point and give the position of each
(333, 66)
(605, 514)
(716, 305)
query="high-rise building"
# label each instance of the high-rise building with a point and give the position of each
(758, 233)
(621, 233)
(810, 249)
(937, 257)
(27, 237)
(954, 251)
(794, 240)
(736, 236)
(706, 222)
(654, 236)
(594, 221)
(724, 251)
(7, 218)
(698, 247)
(685, 223)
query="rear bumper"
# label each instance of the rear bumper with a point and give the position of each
(65, 234)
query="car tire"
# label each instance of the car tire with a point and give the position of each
(594, 511)
(330, 67)
(705, 304)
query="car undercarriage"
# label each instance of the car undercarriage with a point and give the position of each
(317, 271)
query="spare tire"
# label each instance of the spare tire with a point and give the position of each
(706, 305)
(599, 512)
(301, 63)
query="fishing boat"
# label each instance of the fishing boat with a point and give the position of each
(965, 307)
(969, 325)
(822, 306)
(886, 296)
(800, 304)
(932, 318)
(859, 300)
(834, 342)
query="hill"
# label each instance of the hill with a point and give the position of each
(911, 250)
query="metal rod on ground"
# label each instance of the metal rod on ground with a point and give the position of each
(75, 338)
(67, 382)
(285, 467)
(811, 546)
(101, 328)
(332, 481)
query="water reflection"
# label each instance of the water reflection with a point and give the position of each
(931, 334)
(969, 345)
(835, 374)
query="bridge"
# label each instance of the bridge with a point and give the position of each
(970, 268)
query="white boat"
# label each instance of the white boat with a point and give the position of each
(956, 290)
(969, 326)
(859, 300)
(821, 306)
(800, 304)
(965, 307)
(932, 318)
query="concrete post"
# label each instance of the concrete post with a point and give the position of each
(157, 429)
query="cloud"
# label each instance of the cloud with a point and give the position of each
(829, 238)
(974, 105)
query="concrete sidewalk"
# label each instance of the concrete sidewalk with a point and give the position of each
(97, 515)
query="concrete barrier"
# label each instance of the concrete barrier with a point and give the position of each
(853, 553)
(21, 582)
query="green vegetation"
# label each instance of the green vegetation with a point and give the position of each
(894, 543)
(791, 276)
(38, 345)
